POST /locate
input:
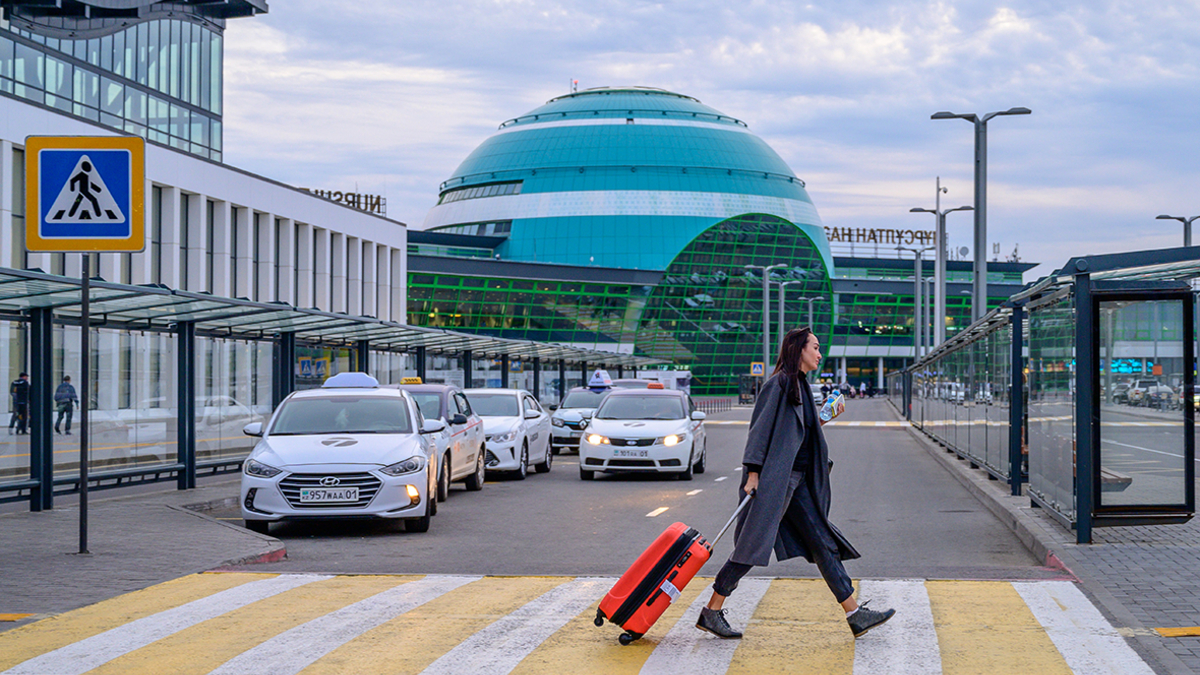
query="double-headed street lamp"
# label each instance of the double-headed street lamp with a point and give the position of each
(766, 308)
(939, 266)
(979, 286)
(1187, 226)
(783, 285)
(918, 298)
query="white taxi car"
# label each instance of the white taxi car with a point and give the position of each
(460, 444)
(516, 430)
(652, 430)
(350, 449)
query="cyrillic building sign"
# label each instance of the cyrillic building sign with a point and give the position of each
(862, 235)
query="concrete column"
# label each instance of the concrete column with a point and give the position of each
(399, 285)
(8, 249)
(383, 286)
(368, 279)
(879, 374)
(304, 267)
(222, 250)
(286, 263)
(139, 272)
(354, 276)
(265, 257)
(321, 269)
(337, 255)
(169, 268)
(196, 245)
(243, 236)
(842, 369)
(109, 268)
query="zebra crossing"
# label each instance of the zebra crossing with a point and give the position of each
(232, 623)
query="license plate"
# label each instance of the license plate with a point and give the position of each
(329, 494)
(618, 452)
(576, 434)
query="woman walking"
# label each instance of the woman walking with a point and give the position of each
(786, 469)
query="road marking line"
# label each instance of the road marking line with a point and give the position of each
(738, 469)
(718, 480)
(1138, 447)
(694, 492)
(908, 642)
(687, 649)
(296, 649)
(1186, 631)
(657, 512)
(498, 648)
(18, 617)
(79, 657)
(1083, 636)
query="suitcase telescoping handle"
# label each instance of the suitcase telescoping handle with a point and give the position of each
(742, 505)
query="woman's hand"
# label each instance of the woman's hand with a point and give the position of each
(751, 483)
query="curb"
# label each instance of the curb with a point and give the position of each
(276, 549)
(1028, 531)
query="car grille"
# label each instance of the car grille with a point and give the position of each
(632, 462)
(575, 425)
(566, 440)
(367, 485)
(631, 442)
(490, 459)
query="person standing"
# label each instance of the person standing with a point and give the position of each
(65, 398)
(19, 391)
(787, 477)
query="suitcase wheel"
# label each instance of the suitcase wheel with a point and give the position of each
(627, 639)
(599, 618)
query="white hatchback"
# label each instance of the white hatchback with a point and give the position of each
(516, 429)
(350, 449)
(652, 430)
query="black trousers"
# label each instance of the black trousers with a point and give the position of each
(69, 412)
(817, 539)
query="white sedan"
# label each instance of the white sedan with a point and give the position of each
(516, 429)
(350, 449)
(649, 430)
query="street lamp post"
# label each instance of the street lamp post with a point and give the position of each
(979, 283)
(766, 308)
(1187, 226)
(782, 316)
(939, 265)
(918, 298)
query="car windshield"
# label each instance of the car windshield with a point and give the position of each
(1146, 384)
(342, 415)
(430, 404)
(494, 405)
(583, 399)
(641, 408)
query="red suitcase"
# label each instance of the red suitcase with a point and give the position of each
(656, 578)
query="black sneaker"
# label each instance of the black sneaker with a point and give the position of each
(865, 619)
(713, 621)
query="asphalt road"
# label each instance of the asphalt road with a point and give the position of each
(908, 517)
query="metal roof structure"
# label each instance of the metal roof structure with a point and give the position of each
(158, 308)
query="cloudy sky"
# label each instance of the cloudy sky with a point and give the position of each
(390, 96)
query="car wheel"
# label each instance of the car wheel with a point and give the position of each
(422, 524)
(475, 480)
(523, 464)
(443, 484)
(687, 472)
(259, 526)
(584, 474)
(702, 464)
(544, 467)
(554, 450)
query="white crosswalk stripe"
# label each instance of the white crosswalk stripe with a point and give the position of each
(909, 642)
(687, 649)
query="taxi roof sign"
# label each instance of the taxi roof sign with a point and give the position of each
(411, 380)
(85, 194)
(600, 379)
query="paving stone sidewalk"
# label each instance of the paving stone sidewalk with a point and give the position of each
(1142, 577)
(135, 541)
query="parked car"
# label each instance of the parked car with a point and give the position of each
(350, 449)
(818, 394)
(1119, 392)
(461, 444)
(652, 430)
(1147, 392)
(516, 430)
(629, 383)
(569, 420)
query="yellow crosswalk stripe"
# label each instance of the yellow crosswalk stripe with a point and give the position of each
(203, 647)
(25, 642)
(790, 608)
(984, 627)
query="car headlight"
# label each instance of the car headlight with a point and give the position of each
(557, 422)
(597, 439)
(506, 436)
(673, 439)
(256, 468)
(410, 465)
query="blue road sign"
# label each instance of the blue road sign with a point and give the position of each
(758, 368)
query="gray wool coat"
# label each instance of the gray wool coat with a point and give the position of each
(777, 432)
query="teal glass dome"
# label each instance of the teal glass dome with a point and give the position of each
(619, 177)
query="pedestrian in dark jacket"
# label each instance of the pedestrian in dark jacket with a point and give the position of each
(19, 391)
(786, 471)
(65, 398)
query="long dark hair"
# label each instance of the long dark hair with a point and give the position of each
(788, 361)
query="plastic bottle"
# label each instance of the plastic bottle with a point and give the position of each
(834, 404)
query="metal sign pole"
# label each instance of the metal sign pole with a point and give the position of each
(85, 353)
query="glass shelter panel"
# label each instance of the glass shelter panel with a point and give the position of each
(1051, 408)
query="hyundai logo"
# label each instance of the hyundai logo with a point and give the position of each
(330, 481)
(630, 442)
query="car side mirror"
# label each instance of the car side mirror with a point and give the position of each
(531, 414)
(552, 407)
(697, 415)
(458, 418)
(253, 429)
(432, 426)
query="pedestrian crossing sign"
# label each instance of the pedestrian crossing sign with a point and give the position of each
(85, 193)
(758, 368)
